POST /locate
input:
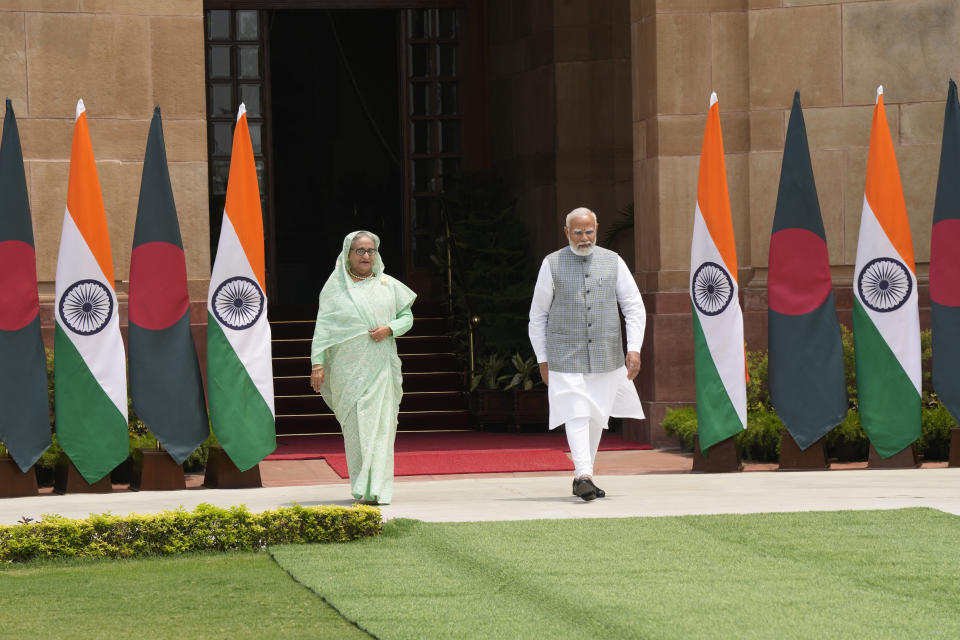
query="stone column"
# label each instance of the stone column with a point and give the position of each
(681, 52)
(559, 85)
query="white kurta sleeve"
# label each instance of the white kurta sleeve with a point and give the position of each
(631, 304)
(540, 311)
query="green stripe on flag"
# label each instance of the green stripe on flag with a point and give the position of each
(90, 428)
(717, 418)
(889, 403)
(239, 416)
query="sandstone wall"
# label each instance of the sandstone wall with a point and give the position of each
(122, 57)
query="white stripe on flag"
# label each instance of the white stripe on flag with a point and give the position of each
(724, 331)
(900, 328)
(252, 345)
(102, 352)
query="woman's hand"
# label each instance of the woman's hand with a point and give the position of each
(316, 377)
(380, 333)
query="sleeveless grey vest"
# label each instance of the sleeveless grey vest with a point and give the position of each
(583, 327)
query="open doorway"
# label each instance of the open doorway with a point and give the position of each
(336, 141)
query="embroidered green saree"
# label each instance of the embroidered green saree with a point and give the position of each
(362, 382)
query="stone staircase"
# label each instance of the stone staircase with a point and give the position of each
(434, 396)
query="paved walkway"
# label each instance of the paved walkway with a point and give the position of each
(638, 483)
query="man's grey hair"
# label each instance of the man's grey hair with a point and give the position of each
(578, 212)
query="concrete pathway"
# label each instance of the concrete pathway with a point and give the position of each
(527, 496)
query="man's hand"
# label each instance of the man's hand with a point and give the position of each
(633, 364)
(316, 377)
(380, 333)
(543, 372)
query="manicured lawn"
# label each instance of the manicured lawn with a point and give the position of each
(226, 595)
(875, 574)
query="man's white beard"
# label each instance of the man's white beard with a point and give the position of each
(582, 251)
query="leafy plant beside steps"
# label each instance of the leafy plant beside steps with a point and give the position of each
(489, 373)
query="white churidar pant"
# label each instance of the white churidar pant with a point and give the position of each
(583, 436)
(585, 402)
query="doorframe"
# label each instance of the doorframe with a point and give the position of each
(475, 143)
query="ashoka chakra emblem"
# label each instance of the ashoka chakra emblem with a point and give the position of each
(86, 307)
(712, 288)
(238, 302)
(884, 284)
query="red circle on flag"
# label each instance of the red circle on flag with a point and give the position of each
(19, 302)
(945, 263)
(158, 285)
(799, 276)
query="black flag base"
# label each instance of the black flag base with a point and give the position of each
(722, 457)
(223, 474)
(156, 471)
(15, 483)
(68, 480)
(793, 458)
(905, 459)
(954, 459)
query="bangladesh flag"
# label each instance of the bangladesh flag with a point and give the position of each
(165, 384)
(717, 319)
(25, 417)
(90, 374)
(239, 365)
(886, 321)
(945, 263)
(806, 377)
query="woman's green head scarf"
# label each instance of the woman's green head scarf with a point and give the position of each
(343, 261)
(340, 316)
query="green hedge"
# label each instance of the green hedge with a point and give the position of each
(847, 441)
(207, 528)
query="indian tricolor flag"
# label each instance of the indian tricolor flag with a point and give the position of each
(239, 366)
(90, 368)
(717, 319)
(886, 322)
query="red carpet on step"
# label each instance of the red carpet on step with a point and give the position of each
(436, 453)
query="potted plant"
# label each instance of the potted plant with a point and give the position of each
(490, 402)
(530, 404)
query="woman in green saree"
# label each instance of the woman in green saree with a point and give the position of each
(355, 363)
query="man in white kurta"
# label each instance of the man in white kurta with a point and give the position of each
(575, 332)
